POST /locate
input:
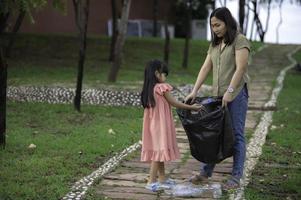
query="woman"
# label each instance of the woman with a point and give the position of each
(228, 58)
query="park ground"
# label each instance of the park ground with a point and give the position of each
(70, 145)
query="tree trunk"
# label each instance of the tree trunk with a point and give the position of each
(259, 27)
(81, 17)
(241, 14)
(280, 21)
(268, 18)
(253, 21)
(221, 3)
(188, 35)
(260, 31)
(167, 43)
(120, 41)
(247, 19)
(155, 18)
(3, 21)
(213, 4)
(114, 29)
(3, 87)
(14, 33)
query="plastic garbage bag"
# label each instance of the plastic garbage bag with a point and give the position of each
(209, 130)
(189, 190)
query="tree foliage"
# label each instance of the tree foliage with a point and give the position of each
(14, 6)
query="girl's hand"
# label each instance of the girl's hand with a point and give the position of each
(226, 99)
(191, 96)
(197, 107)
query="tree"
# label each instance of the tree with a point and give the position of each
(114, 29)
(257, 21)
(188, 34)
(280, 21)
(167, 43)
(185, 11)
(3, 86)
(242, 14)
(120, 41)
(7, 10)
(199, 11)
(261, 32)
(167, 38)
(14, 32)
(81, 10)
(155, 18)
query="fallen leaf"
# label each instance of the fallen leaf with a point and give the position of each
(32, 146)
(111, 131)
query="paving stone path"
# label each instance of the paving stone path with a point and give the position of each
(127, 181)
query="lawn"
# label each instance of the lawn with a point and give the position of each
(70, 145)
(52, 60)
(278, 172)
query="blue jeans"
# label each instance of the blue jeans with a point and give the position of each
(238, 111)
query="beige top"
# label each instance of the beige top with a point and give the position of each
(224, 65)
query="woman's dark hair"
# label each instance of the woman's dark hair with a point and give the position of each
(150, 80)
(224, 15)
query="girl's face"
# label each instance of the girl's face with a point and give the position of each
(218, 27)
(161, 77)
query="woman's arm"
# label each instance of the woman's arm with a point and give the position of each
(241, 60)
(205, 69)
(172, 101)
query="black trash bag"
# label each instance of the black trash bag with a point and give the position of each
(209, 130)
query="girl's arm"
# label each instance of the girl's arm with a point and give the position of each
(206, 68)
(241, 60)
(173, 102)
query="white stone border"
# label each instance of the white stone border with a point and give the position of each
(80, 188)
(254, 148)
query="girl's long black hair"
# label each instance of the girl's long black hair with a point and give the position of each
(150, 80)
(224, 15)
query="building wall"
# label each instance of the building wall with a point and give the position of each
(49, 20)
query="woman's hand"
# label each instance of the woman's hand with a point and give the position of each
(227, 98)
(191, 96)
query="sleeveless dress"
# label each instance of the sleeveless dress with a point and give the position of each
(159, 134)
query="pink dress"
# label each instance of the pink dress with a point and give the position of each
(159, 133)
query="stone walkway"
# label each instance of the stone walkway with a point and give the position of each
(128, 180)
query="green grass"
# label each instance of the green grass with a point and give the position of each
(60, 133)
(278, 172)
(44, 60)
(52, 60)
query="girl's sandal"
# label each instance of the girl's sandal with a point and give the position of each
(231, 184)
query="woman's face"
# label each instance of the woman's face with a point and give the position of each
(218, 27)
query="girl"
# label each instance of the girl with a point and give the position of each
(228, 59)
(159, 135)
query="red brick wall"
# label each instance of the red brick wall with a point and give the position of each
(49, 20)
